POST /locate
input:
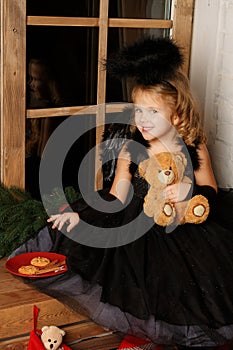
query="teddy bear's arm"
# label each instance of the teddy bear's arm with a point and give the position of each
(187, 179)
(150, 202)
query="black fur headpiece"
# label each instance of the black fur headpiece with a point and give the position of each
(148, 61)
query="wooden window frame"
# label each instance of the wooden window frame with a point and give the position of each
(13, 71)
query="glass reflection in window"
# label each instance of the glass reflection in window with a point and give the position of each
(148, 9)
(61, 8)
(62, 66)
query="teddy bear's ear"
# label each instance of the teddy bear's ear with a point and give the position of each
(62, 332)
(45, 328)
(181, 157)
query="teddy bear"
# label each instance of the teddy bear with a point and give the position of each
(51, 337)
(161, 170)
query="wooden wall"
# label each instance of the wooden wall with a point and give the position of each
(13, 61)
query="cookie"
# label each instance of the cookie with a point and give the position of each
(40, 261)
(28, 270)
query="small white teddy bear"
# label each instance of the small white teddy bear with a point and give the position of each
(51, 337)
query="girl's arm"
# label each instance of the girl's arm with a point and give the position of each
(122, 179)
(204, 176)
(119, 189)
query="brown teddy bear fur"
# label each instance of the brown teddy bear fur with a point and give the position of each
(165, 169)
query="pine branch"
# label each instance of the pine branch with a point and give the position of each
(21, 216)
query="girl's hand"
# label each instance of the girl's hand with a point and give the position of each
(72, 219)
(177, 192)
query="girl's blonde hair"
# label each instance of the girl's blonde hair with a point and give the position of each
(177, 94)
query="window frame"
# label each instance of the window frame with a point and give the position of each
(13, 72)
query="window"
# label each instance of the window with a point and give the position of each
(68, 40)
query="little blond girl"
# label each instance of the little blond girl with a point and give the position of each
(171, 287)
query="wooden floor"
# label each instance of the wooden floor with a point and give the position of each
(16, 318)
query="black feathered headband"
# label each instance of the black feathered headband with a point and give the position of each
(148, 61)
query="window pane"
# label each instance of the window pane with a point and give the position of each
(156, 9)
(68, 8)
(62, 66)
(119, 91)
(38, 132)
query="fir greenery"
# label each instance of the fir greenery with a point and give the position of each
(21, 216)
(54, 201)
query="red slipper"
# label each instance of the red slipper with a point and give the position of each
(130, 342)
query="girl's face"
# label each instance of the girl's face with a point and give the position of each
(38, 80)
(153, 116)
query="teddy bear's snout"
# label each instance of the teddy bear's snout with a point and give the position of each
(51, 346)
(166, 176)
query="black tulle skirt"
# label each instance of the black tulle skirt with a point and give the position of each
(173, 288)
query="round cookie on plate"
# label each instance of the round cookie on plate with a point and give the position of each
(40, 261)
(28, 270)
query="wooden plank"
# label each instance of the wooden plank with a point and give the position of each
(109, 342)
(22, 296)
(139, 23)
(10, 284)
(101, 86)
(182, 27)
(20, 343)
(17, 320)
(102, 51)
(13, 73)
(95, 22)
(85, 330)
(69, 111)
(54, 112)
(63, 21)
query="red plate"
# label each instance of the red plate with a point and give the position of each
(13, 264)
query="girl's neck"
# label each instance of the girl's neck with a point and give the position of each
(158, 146)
